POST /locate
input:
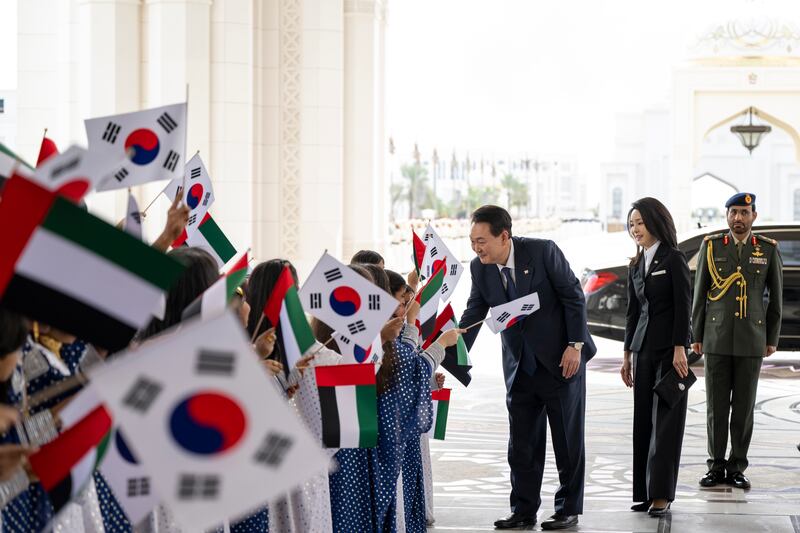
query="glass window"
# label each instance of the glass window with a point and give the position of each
(616, 203)
(790, 252)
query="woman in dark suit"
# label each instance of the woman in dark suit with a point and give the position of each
(656, 341)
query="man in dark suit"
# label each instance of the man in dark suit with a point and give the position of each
(544, 361)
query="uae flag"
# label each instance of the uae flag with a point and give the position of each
(441, 405)
(283, 309)
(502, 317)
(47, 150)
(428, 299)
(442, 320)
(73, 271)
(216, 298)
(349, 405)
(419, 252)
(209, 237)
(65, 465)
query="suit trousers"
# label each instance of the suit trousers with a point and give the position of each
(731, 386)
(532, 402)
(657, 429)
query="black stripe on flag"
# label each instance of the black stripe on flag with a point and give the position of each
(61, 494)
(66, 313)
(112, 130)
(330, 417)
(427, 327)
(195, 173)
(167, 122)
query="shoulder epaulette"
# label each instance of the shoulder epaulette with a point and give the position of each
(773, 242)
(714, 236)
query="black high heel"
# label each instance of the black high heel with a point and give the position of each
(641, 507)
(658, 512)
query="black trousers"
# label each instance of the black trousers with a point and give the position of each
(657, 429)
(532, 402)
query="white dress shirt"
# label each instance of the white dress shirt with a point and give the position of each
(649, 254)
(509, 264)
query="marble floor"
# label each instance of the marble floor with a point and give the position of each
(471, 473)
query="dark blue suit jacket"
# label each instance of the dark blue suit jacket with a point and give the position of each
(541, 267)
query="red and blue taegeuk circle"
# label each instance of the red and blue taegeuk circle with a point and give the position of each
(123, 449)
(515, 320)
(145, 145)
(207, 422)
(345, 301)
(360, 353)
(194, 196)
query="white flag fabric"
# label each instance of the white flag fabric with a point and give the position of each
(133, 218)
(435, 252)
(352, 353)
(504, 316)
(198, 192)
(197, 408)
(131, 484)
(345, 301)
(149, 145)
(74, 172)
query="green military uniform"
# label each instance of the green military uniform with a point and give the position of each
(730, 318)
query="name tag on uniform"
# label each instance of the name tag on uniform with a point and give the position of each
(720, 259)
(758, 260)
(658, 273)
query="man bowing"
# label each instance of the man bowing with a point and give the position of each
(544, 362)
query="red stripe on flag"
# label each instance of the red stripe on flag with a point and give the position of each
(239, 265)
(181, 239)
(342, 375)
(419, 251)
(275, 302)
(441, 320)
(54, 461)
(442, 395)
(24, 206)
(47, 150)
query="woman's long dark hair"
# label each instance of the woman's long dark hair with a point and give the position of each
(259, 287)
(658, 221)
(201, 272)
(386, 372)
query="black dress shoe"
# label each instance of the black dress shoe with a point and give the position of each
(712, 479)
(739, 480)
(641, 507)
(658, 512)
(560, 521)
(515, 520)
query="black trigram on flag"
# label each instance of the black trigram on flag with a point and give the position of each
(112, 130)
(137, 216)
(527, 307)
(198, 487)
(502, 318)
(427, 237)
(333, 274)
(138, 486)
(434, 252)
(205, 199)
(374, 302)
(142, 394)
(192, 220)
(343, 339)
(356, 327)
(171, 161)
(167, 122)
(195, 173)
(274, 449)
(121, 174)
(445, 288)
(453, 270)
(315, 300)
(216, 362)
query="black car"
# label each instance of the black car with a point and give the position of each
(606, 288)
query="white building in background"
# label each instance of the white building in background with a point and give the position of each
(285, 106)
(8, 117)
(684, 153)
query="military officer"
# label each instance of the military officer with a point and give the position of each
(735, 329)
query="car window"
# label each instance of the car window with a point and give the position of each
(790, 251)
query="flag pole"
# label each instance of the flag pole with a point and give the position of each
(258, 326)
(476, 324)
(327, 342)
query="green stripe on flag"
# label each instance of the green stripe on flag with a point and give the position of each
(5, 150)
(367, 407)
(232, 281)
(433, 287)
(69, 221)
(102, 448)
(217, 240)
(441, 420)
(463, 353)
(300, 328)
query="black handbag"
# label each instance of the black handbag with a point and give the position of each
(671, 387)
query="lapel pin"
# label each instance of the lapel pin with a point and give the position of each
(525, 272)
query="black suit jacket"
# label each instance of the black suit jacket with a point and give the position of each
(541, 267)
(659, 302)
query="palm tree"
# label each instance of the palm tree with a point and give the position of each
(417, 187)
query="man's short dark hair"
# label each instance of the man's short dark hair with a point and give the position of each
(497, 218)
(367, 257)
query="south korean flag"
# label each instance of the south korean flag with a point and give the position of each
(198, 193)
(150, 144)
(197, 408)
(352, 353)
(502, 317)
(346, 302)
(436, 252)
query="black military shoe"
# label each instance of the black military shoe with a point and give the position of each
(560, 521)
(712, 479)
(738, 480)
(515, 520)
